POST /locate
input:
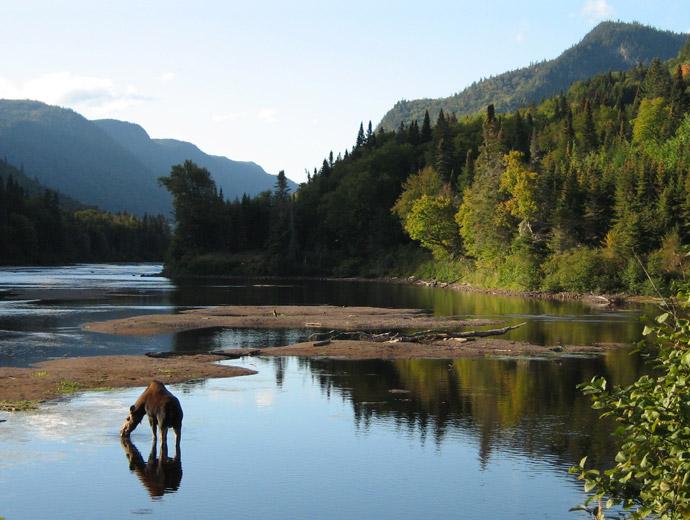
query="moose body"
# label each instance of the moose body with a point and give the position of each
(163, 410)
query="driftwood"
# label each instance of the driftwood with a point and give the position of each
(425, 336)
(228, 353)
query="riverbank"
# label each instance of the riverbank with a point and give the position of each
(610, 300)
(451, 349)
(22, 388)
(25, 388)
(321, 317)
(594, 299)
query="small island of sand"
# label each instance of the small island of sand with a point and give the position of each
(282, 317)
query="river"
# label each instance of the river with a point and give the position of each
(304, 438)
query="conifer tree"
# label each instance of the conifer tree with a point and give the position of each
(401, 136)
(361, 139)
(425, 134)
(370, 137)
(589, 132)
(414, 136)
(678, 98)
(481, 235)
(657, 81)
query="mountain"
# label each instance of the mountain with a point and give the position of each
(234, 177)
(109, 164)
(33, 188)
(66, 152)
(609, 46)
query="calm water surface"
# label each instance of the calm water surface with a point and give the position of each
(469, 438)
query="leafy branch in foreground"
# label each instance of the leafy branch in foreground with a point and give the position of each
(651, 475)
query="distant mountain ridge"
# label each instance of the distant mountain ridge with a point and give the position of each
(108, 163)
(233, 177)
(609, 46)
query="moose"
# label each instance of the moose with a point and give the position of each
(163, 409)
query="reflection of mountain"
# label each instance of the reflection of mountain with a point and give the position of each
(159, 475)
(523, 405)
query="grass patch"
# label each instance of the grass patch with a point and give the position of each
(68, 387)
(39, 373)
(18, 406)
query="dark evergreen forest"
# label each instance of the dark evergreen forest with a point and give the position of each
(586, 191)
(37, 227)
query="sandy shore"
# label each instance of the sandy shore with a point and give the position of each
(281, 317)
(480, 347)
(50, 379)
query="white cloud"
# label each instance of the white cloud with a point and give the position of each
(595, 10)
(269, 115)
(520, 36)
(95, 96)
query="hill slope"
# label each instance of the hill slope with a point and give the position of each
(66, 152)
(609, 46)
(33, 188)
(234, 177)
(109, 164)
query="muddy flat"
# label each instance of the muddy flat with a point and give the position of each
(479, 347)
(54, 378)
(282, 317)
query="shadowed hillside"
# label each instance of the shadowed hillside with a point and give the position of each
(110, 164)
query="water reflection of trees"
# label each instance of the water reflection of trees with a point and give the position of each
(525, 405)
(551, 322)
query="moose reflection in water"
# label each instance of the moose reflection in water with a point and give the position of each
(159, 475)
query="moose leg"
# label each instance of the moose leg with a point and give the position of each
(178, 436)
(154, 424)
(152, 456)
(164, 436)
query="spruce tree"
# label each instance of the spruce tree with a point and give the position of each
(425, 134)
(361, 139)
(370, 134)
(589, 132)
(679, 102)
(414, 136)
(657, 81)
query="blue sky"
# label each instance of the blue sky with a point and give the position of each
(280, 82)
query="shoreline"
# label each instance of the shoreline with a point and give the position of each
(595, 299)
(475, 348)
(25, 387)
(317, 317)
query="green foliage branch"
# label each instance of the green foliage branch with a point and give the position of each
(651, 475)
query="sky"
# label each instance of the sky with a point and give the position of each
(281, 82)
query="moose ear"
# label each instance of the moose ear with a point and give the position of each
(131, 408)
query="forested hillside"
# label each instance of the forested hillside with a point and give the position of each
(585, 191)
(610, 46)
(110, 164)
(37, 228)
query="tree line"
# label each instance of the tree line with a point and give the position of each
(36, 228)
(586, 191)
